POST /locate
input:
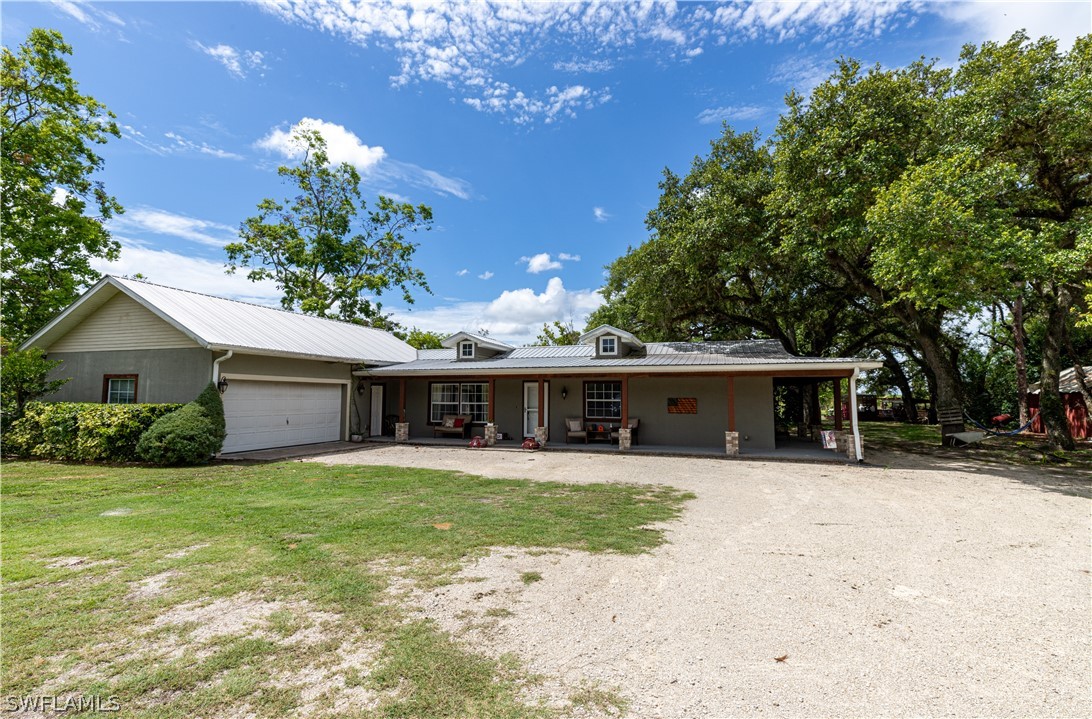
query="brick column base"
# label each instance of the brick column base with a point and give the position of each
(840, 441)
(731, 444)
(851, 447)
(625, 438)
(540, 435)
(401, 431)
(490, 435)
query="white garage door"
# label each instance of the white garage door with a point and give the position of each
(280, 414)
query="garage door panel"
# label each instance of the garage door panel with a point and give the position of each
(261, 415)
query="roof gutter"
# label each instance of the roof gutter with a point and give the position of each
(216, 366)
(468, 368)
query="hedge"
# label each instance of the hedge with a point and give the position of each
(82, 431)
(192, 435)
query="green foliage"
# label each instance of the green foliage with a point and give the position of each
(190, 435)
(561, 333)
(424, 339)
(323, 247)
(83, 431)
(24, 377)
(52, 212)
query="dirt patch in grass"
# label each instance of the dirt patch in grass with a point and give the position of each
(77, 563)
(152, 587)
(185, 551)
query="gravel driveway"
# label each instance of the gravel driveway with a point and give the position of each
(906, 590)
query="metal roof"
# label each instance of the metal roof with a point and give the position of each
(1067, 381)
(661, 356)
(221, 324)
(482, 340)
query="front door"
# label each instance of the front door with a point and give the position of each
(377, 410)
(530, 407)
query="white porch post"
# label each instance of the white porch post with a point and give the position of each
(853, 414)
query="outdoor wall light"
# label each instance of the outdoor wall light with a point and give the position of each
(564, 392)
(222, 385)
(361, 388)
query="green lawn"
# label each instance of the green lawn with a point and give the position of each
(1030, 450)
(186, 592)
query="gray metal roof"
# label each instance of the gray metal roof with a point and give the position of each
(751, 354)
(1067, 381)
(219, 323)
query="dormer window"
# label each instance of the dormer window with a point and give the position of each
(608, 345)
(466, 350)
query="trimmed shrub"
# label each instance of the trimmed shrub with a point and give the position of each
(82, 431)
(191, 435)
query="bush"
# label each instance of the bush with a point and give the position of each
(82, 431)
(191, 435)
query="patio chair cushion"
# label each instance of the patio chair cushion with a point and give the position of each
(575, 425)
(459, 421)
(449, 422)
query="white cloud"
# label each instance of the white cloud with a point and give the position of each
(162, 222)
(88, 14)
(583, 66)
(176, 144)
(485, 275)
(998, 20)
(344, 145)
(183, 144)
(600, 214)
(566, 257)
(736, 113)
(474, 49)
(188, 273)
(462, 273)
(540, 263)
(238, 62)
(515, 315)
(802, 73)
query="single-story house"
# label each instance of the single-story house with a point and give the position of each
(682, 394)
(287, 377)
(291, 379)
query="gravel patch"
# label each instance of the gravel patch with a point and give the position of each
(915, 588)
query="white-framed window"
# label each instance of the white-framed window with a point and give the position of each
(119, 388)
(608, 345)
(466, 350)
(470, 398)
(603, 400)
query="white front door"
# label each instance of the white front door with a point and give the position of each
(377, 410)
(530, 407)
(260, 415)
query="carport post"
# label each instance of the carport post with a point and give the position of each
(853, 415)
(492, 393)
(541, 402)
(402, 399)
(838, 404)
(731, 403)
(625, 401)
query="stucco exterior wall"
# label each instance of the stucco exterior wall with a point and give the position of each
(164, 375)
(648, 401)
(754, 413)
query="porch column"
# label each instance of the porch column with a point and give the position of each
(731, 403)
(490, 425)
(401, 428)
(492, 393)
(853, 447)
(625, 435)
(838, 404)
(731, 437)
(541, 431)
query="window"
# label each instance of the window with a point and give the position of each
(119, 388)
(603, 400)
(470, 398)
(608, 345)
(466, 350)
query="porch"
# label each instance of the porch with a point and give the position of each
(791, 450)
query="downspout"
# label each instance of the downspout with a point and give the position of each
(853, 413)
(216, 367)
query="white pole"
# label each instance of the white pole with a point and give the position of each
(216, 366)
(853, 413)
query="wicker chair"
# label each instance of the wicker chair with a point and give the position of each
(574, 429)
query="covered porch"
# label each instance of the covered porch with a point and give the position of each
(727, 414)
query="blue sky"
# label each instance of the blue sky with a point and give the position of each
(537, 132)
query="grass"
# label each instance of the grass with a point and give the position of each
(1026, 450)
(530, 577)
(298, 556)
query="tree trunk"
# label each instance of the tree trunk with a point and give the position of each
(948, 405)
(1021, 359)
(909, 404)
(1051, 408)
